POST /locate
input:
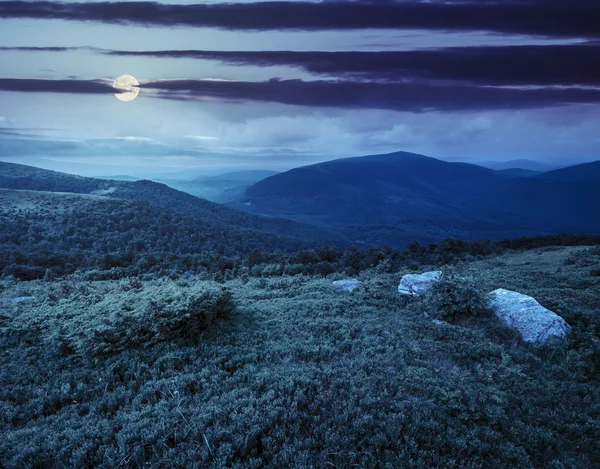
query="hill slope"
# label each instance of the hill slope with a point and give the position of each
(384, 192)
(587, 172)
(301, 371)
(15, 176)
(66, 231)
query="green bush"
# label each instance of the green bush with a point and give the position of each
(164, 317)
(455, 296)
(23, 272)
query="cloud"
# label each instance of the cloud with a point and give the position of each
(573, 64)
(202, 138)
(408, 96)
(415, 97)
(56, 86)
(19, 144)
(23, 132)
(10, 132)
(534, 17)
(38, 49)
(500, 65)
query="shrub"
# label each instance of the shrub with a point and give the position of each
(455, 296)
(194, 315)
(23, 272)
(164, 317)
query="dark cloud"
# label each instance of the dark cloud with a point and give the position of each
(55, 86)
(508, 65)
(9, 131)
(392, 96)
(535, 17)
(49, 48)
(574, 64)
(409, 96)
(38, 49)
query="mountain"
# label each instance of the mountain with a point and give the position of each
(379, 189)
(222, 188)
(517, 173)
(400, 196)
(531, 165)
(16, 176)
(588, 172)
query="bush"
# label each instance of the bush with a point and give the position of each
(193, 316)
(455, 296)
(165, 317)
(23, 272)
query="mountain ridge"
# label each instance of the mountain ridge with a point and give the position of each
(392, 189)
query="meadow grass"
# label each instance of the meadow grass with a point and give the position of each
(291, 372)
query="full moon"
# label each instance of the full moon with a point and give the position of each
(129, 87)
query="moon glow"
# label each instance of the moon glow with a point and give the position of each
(128, 86)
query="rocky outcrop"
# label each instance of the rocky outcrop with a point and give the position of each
(347, 285)
(417, 284)
(535, 323)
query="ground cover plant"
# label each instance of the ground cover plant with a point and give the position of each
(286, 371)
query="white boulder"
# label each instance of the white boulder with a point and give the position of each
(534, 322)
(347, 285)
(417, 284)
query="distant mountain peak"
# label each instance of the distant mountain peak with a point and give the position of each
(530, 165)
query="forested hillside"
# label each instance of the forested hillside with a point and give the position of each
(66, 231)
(397, 197)
(15, 176)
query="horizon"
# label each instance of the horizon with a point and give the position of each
(193, 173)
(272, 86)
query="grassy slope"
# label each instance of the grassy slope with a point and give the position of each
(16, 176)
(306, 376)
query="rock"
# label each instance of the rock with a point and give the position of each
(347, 285)
(437, 322)
(417, 284)
(534, 322)
(18, 299)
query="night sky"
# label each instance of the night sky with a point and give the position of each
(274, 85)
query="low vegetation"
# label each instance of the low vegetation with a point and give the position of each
(275, 368)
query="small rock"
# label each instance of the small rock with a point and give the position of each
(18, 299)
(417, 284)
(347, 285)
(534, 322)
